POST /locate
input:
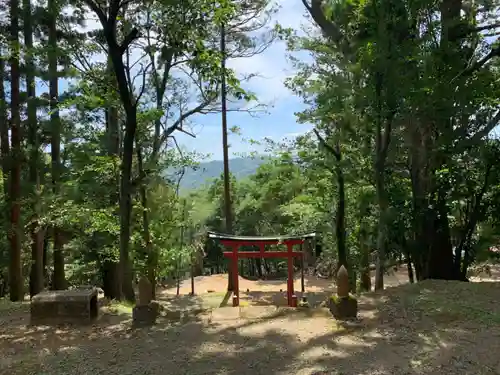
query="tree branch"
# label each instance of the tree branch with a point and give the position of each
(143, 86)
(329, 148)
(495, 52)
(329, 29)
(98, 11)
(177, 125)
(131, 36)
(484, 27)
(494, 121)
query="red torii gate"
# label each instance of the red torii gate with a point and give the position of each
(234, 242)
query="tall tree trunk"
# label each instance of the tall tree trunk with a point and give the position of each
(440, 260)
(126, 205)
(409, 266)
(340, 215)
(340, 211)
(109, 267)
(382, 229)
(385, 111)
(228, 211)
(4, 134)
(115, 51)
(126, 172)
(5, 151)
(365, 280)
(36, 273)
(14, 234)
(150, 256)
(59, 278)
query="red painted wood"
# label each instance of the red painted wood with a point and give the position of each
(289, 289)
(234, 255)
(236, 291)
(231, 243)
(267, 254)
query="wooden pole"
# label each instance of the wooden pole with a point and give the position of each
(192, 262)
(192, 277)
(236, 288)
(289, 285)
(303, 289)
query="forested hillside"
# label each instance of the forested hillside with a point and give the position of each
(400, 164)
(204, 172)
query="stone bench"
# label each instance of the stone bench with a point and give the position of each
(64, 306)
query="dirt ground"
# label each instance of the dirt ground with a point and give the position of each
(434, 327)
(264, 292)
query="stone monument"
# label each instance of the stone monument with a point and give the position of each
(146, 310)
(343, 306)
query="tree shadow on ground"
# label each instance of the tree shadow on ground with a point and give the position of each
(407, 330)
(257, 298)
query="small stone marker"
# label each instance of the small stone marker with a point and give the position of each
(145, 291)
(343, 306)
(342, 282)
(146, 311)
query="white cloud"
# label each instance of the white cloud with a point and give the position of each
(272, 66)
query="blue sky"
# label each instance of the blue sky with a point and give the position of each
(279, 122)
(272, 66)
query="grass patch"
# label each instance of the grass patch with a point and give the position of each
(119, 308)
(6, 306)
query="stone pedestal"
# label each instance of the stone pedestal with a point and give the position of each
(145, 315)
(77, 306)
(343, 308)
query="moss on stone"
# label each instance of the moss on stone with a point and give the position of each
(335, 299)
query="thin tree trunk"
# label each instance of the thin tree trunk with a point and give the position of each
(225, 151)
(14, 234)
(36, 274)
(59, 278)
(411, 278)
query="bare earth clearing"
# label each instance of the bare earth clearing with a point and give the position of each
(435, 327)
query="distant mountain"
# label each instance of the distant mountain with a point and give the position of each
(207, 171)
